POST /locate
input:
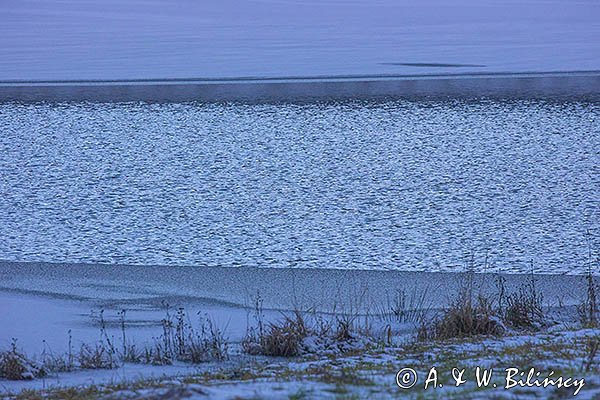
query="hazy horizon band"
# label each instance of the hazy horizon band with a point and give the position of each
(511, 85)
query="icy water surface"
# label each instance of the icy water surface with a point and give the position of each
(370, 185)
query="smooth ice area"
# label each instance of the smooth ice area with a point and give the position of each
(138, 39)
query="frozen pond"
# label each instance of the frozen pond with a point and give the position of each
(354, 185)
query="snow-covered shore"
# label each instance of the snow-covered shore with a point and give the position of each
(48, 307)
(554, 356)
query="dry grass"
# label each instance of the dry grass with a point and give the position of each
(406, 306)
(592, 347)
(206, 344)
(279, 339)
(287, 337)
(156, 355)
(465, 317)
(472, 314)
(14, 365)
(344, 331)
(100, 355)
(588, 309)
(179, 341)
(182, 341)
(469, 314)
(524, 308)
(96, 356)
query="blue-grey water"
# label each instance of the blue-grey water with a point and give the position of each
(369, 185)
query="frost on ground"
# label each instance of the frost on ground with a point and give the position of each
(339, 354)
(360, 371)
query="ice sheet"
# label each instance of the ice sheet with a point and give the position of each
(135, 39)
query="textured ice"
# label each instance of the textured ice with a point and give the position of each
(356, 185)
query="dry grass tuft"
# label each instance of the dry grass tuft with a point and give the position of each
(588, 309)
(280, 339)
(181, 341)
(14, 365)
(524, 308)
(465, 317)
(592, 346)
(96, 356)
(305, 332)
